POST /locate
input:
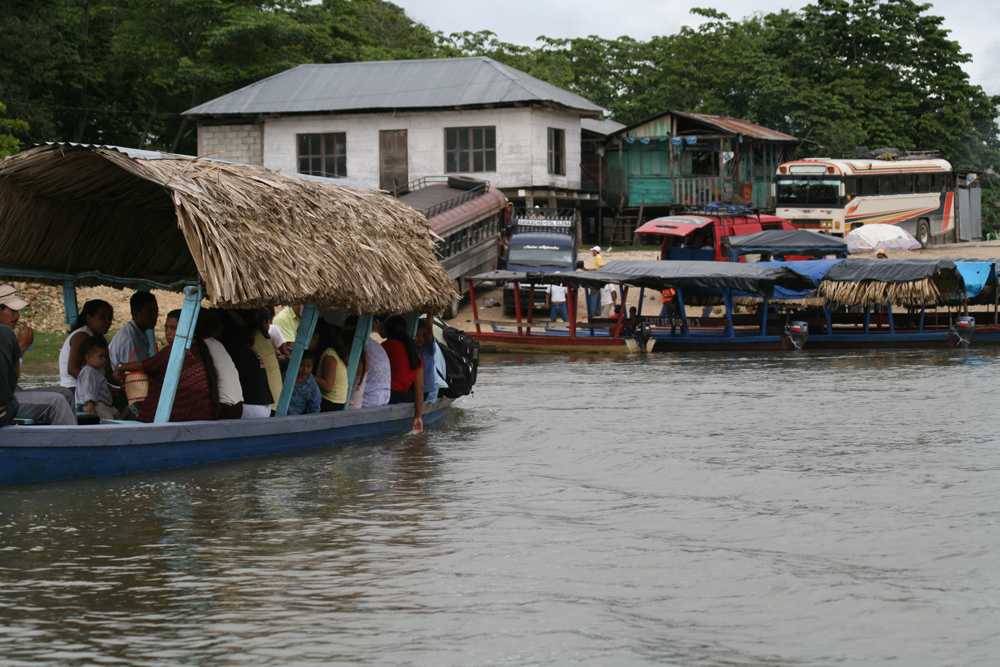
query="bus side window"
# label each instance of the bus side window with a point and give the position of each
(924, 183)
(889, 184)
(851, 186)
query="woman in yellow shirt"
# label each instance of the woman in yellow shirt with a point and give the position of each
(331, 369)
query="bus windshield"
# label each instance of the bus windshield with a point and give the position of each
(540, 255)
(808, 191)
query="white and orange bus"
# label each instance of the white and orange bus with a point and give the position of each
(833, 196)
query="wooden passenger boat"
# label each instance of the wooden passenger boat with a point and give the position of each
(234, 235)
(702, 282)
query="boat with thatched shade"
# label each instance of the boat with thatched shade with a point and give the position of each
(238, 236)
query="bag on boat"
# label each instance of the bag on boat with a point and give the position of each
(458, 374)
(136, 386)
(465, 346)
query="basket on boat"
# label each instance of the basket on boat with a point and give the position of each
(136, 386)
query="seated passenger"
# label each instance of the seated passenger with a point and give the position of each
(196, 395)
(132, 343)
(287, 322)
(427, 345)
(406, 366)
(51, 405)
(306, 397)
(378, 385)
(170, 326)
(93, 394)
(361, 374)
(272, 334)
(265, 348)
(94, 320)
(228, 387)
(238, 328)
(330, 370)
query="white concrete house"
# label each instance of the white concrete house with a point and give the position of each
(391, 122)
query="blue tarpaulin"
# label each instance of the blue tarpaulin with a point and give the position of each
(814, 270)
(976, 276)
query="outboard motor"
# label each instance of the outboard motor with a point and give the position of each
(642, 334)
(964, 328)
(798, 333)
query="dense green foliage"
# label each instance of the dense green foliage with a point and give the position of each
(838, 73)
(9, 144)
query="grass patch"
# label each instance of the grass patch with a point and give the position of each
(44, 357)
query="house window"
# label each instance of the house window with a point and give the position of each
(557, 151)
(470, 149)
(323, 154)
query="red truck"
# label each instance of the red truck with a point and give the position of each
(699, 235)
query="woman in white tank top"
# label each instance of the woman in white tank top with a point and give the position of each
(94, 320)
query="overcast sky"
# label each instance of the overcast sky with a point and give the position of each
(521, 21)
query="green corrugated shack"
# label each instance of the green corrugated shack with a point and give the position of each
(685, 159)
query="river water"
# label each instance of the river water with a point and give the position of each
(796, 509)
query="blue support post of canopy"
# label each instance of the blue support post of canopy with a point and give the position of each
(763, 318)
(412, 322)
(182, 342)
(361, 336)
(683, 312)
(892, 323)
(727, 298)
(69, 302)
(307, 324)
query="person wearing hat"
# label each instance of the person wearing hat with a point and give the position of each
(52, 405)
(881, 254)
(598, 260)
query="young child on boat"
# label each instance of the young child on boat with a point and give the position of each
(306, 397)
(93, 394)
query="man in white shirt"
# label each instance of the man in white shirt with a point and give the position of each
(609, 297)
(132, 342)
(555, 300)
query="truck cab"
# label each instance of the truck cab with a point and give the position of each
(538, 241)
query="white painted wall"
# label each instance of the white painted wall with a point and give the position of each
(522, 143)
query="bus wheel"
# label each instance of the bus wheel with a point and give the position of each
(923, 233)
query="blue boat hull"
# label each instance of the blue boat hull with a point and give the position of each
(49, 453)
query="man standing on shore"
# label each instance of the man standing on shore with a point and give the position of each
(51, 405)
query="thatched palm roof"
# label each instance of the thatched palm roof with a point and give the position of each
(252, 236)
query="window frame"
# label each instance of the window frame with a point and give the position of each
(556, 154)
(485, 154)
(337, 154)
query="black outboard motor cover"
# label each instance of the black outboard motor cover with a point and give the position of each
(798, 333)
(965, 327)
(642, 334)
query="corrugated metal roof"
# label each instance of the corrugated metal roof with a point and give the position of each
(722, 123)
(391, 84)
(737, 126)
(604, 127)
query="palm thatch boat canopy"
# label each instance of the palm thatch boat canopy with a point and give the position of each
(902, 282)
(250, 235)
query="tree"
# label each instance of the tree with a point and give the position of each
(9, 144)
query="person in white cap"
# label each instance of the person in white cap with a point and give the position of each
(598, 260)
(52, 405)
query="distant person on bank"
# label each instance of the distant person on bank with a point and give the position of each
(555, 301)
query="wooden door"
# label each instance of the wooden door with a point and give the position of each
(392, 159)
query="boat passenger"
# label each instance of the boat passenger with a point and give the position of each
(265, 348)
(669, 299)
(230, 391)
(378, 385)
(170, 326)
(287, 322)
(272, 334)
(361, 374)
(196, 395)
(427, 346)
(406, 366)
(94, 320)
(238, 328)
(93, 394)
(330, 370)
(306, 397)
(132, 343)
(51, 405)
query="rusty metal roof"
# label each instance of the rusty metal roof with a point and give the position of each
(721, 123)
(393, 84)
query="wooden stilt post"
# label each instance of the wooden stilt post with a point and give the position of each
(361, 336)
(182, 342)
(307, 324)
(517, 306)
(475, 308)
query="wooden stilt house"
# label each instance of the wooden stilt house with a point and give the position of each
(675, 160)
